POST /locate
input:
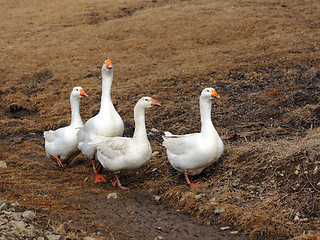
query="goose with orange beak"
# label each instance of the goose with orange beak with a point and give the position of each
(61, 144)
(106, 123)
(191, 153)
(122, 153)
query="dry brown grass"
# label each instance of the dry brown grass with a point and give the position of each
(261, 56)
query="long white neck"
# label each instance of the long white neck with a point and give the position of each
(205, 114)
(140, 133)
(106, 90)
(75, 112)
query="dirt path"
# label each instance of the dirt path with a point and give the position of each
(140, 217)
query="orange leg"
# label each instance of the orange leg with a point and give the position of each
(192, 185)
(67, 168)
(98, 177)
(99, 167)
(58, 160)
(116, 181)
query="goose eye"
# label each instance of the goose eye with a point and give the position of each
(208, 91)
(146, 100)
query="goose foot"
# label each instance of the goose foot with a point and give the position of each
(116, 181)
(192, 185)
(58, 160)
(99, 178)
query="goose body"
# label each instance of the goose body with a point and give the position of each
(123, 153)
(106, 123)
(61, 144)
(191, 153)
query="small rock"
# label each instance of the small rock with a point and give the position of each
(224, 228)
(3, 164)
(53, 237)
(16, 204)
(155, 153)
(17, 216)
(29, 215)
(157, 198)
(19, 225)
(159, 238)
(112, 195)
(3, 206)
(154, 130)
(219, 210)
(234, 232)
(212, 200)
(30, 231)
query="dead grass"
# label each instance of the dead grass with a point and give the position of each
(262, 58)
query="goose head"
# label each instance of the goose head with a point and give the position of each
(147, 102)
(78, 92)
(209, 93)
(107, 66)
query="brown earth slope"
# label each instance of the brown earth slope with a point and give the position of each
(263, 59)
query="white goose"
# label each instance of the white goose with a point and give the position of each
(122, 153)
(61, 144)
(191, 153)
(106, 123)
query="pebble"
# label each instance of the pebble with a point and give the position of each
(112, 195)
(157, 198)
(3, 164)
(159, 238)
(17, 216)
(212, 200)
(224, 228)
(19, 225)
(219, 210)
(155, 153)
(29, 215)
(234, 232)
(16, 204)
(154, 130)
(3, 206)
(53, 237)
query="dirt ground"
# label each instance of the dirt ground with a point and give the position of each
(263, 59)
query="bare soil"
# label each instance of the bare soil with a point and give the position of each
(262, 57)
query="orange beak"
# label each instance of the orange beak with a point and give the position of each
(154, 103)
(83, 93)
(108, 64)
(215, 94)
